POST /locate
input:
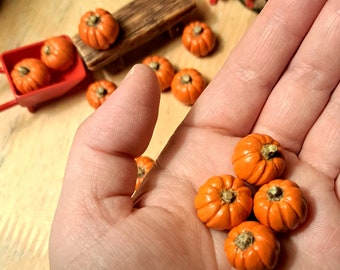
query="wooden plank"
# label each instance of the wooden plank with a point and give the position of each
(140, 21)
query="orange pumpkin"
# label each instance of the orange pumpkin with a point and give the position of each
(98, 29)
(98, 91)
(58, 53)
(280, 205)
(144, 165)
(198, 38)
(223, 202)
(30, 74)
(252, 245)
(258, 159)
(187, 85)
(162, 68)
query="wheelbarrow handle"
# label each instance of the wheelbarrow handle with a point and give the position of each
(8, 105)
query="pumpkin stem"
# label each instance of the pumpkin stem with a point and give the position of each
(101, 92)
(141, 172)
(275, 193)
(228, 196)
(186, 79)
(244, 240)
(269, 151)
(93, 20)
(47, 50)
(154, 65)
(23, 71)
(197, 30)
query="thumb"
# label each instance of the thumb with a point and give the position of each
(101, 170)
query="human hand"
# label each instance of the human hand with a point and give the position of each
(281, 80)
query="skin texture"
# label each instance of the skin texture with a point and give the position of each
(288, 67)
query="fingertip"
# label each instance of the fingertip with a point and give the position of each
(125, 121)
(144, 73)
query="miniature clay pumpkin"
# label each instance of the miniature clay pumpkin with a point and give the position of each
(252, 245)
(162, 68)
(98, 29)
(30, 74)
(223, 202)
(280, 205)
(187, 85)
(98, 91)
(58, 53)
(258, 159)
(198, 38)
(144, 165)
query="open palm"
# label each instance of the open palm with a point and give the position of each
(282, 80)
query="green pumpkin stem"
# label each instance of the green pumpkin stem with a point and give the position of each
(197, 30)
(244, 240)
(228, 196)
(93, 20)
(141, 172)
(186, 79)
(154, 65)
(101, 92)
(47, 50)
(275, 193)
(269, 151)
(23, 71)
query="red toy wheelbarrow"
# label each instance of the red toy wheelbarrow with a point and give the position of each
(61, 82)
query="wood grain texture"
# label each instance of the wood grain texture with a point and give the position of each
(140, 21)
(34, 147)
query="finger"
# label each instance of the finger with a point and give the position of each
(321, 148)
(101, 165)
(305, 88)
(253, 68)
(232, 101)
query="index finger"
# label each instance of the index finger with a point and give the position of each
(234, 99)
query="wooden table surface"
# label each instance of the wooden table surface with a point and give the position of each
(34, 146)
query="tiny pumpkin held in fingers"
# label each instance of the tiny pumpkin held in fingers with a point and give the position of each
(58, 53)
(163, 69)
(30, 74)
(98, 29)
(252, 245)
(144, 165)
(198, 38)
(223, 202)
(258, 159)
(98, 91)
(187, 85)
(280, 205)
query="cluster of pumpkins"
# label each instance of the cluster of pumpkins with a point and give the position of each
(253, 205)
(99, 30)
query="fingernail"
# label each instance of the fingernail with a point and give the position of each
(132, 71)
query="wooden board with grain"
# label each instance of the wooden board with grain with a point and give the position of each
(140, 21)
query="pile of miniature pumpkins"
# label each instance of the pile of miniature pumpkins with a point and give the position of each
(253, 205)
(99, 30)
(57, 54)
